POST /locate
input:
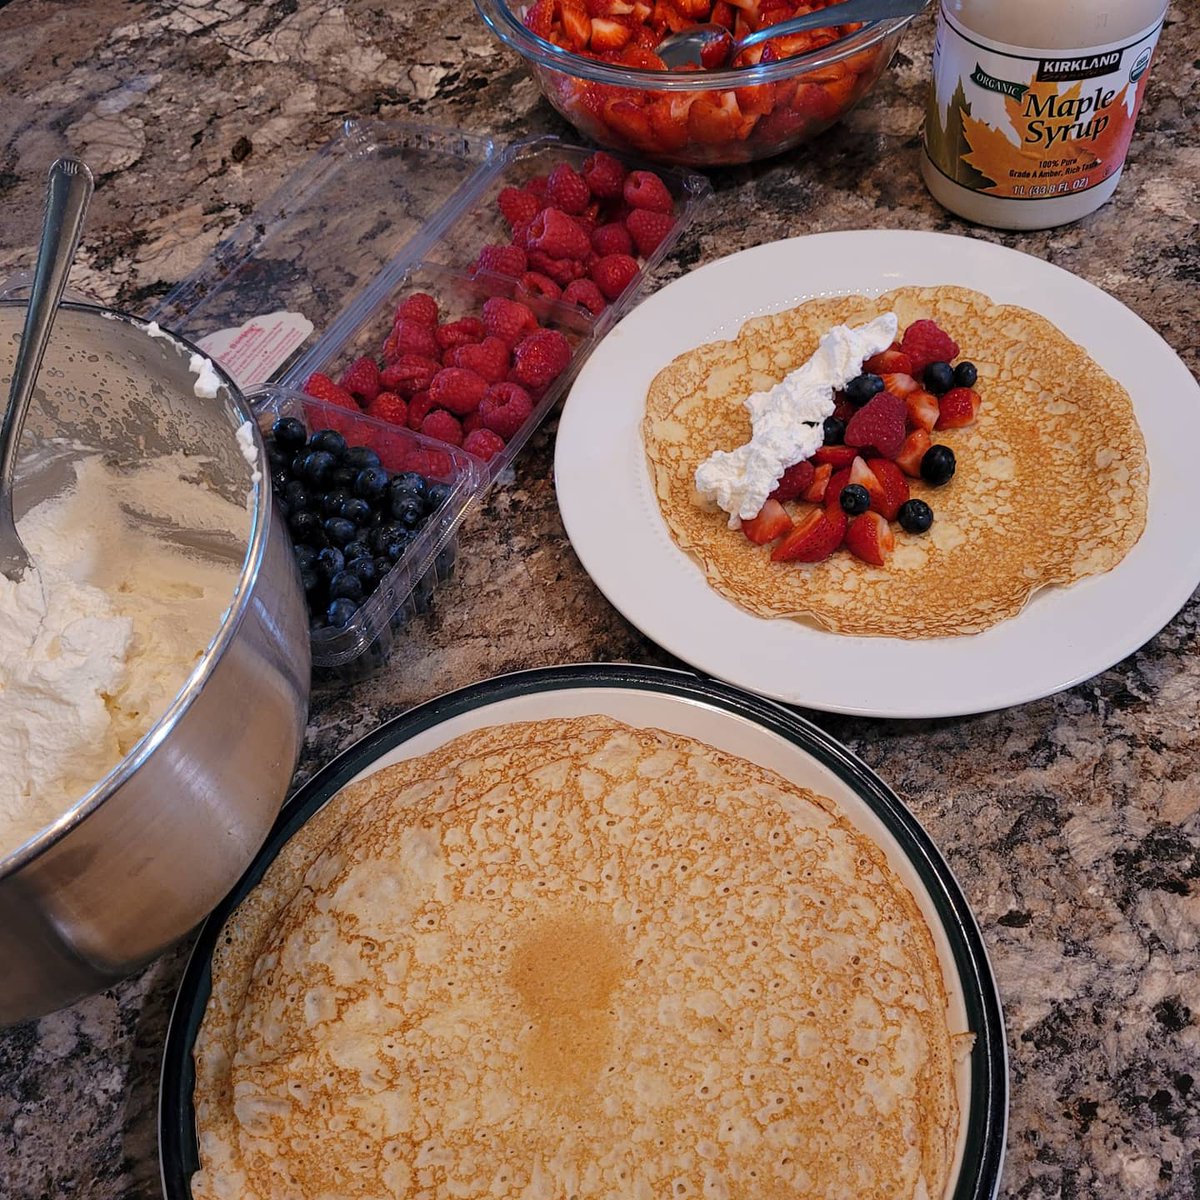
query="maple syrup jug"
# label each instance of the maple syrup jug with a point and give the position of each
(1032, 105)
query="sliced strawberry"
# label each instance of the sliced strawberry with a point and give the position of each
(870, 538)
(899, 384)
(815, 492)
(772, 522)
(815, 536)
(958, 407)
(837, 456)
(911, 453)
(888, 362)
(833, 493)
(893, 484)
(922, 409)
(794, 482)
(862, 474)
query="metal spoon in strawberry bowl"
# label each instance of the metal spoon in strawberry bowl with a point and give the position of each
(712, 46)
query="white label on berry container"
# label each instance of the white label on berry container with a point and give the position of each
(253, 352)
(1028, 124)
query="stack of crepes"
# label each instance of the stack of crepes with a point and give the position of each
(1050, 487)
(575, 959)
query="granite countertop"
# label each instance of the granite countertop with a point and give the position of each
(1073, 822)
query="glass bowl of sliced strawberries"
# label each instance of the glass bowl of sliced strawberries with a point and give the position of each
(595, 62)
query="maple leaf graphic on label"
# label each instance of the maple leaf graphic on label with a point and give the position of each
(1056, 141)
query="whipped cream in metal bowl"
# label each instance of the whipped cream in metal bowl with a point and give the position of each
(787, 419)
(101, 633)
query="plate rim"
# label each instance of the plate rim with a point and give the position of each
(987, 1119)
(1162, 607)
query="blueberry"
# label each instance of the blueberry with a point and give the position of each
(409, 481)
(862, 387)
(329, 562)
(408, 511)
(400, 503)
(937, 465)
(280, 478)
(366, 570)
(340, 531)
(306, 527)
(330, 441)
(370, 483)
(345, 585)
(915, 516)
(854, 499)
(341, 611)
(288, 433)
(296, 494)
(317, 622)
(965, 374)
(310, 581)
(342, 477)
(330, 503)
(359, 457)
(305, 557)
(438, 494)
(939, 377)
(834, 430)
(382, 535)
(317, 468)
(356, 510)
(357, 549)
(394, 551)
(383, 565)
(296, 466)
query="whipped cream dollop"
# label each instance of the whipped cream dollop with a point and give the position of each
(786, 420)
(103, 629)
(207, 379)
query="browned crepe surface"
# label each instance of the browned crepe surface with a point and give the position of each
(570, 958)
(1051, 484)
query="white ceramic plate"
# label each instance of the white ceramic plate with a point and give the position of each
(1063, 636)
(723, 717)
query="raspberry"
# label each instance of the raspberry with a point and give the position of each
(321, 387)
(501, 260)
(644, 189)
(460, 333)
(412, 337)
(408, 374)
(561, 270)
(517, 206)
(604, 175)
(612, 238)
(554, 233)
(420, 307)
(648, 229)
(794, 482)
(586, 294)
(441, 425)
(488, 358)
(471, 422)
(509, 320)
(879, 423)
(419, 407)
(541, 358)
(925, 343)
(536, 186)
(387, 406)
(589, 218)
(505, 408)
(614, 273)
(537, 286)
(361, 379)
(520, 234)
(484, 444)
(567, 190)
(458, 389)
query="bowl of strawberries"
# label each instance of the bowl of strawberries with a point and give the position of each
(595, 62)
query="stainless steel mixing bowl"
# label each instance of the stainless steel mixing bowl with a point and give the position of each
(145, 854)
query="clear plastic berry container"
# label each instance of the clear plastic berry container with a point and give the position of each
(364, 643)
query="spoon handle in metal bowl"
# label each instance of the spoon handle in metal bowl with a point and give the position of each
(846, 13)
(67, 194)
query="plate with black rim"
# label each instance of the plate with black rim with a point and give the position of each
(723, 717)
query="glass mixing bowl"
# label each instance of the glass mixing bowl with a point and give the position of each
(702, 118)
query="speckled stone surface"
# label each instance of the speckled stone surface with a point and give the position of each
(1072, 822)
